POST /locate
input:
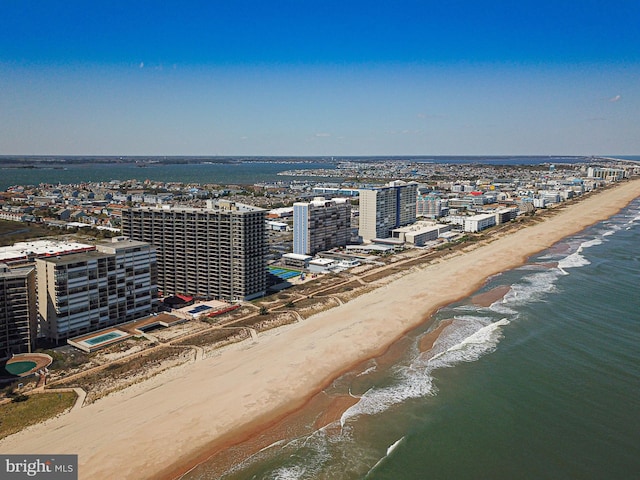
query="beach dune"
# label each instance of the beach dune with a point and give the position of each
(163, 425)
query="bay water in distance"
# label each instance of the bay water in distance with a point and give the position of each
(262, 169)
(542, 384)
(246, 173)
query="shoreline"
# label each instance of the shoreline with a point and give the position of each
(163, 426)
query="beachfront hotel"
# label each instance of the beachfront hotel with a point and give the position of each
(18, 315)
(384, 208)
(217, 252)
(321, 225)
(87, 291)
(430, 206)
(608, 174)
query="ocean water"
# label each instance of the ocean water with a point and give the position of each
(542, 384)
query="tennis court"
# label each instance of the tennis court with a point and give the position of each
(284, 273)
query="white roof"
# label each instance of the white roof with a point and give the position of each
(420, 227)
(480, 216)
(281, 210)
(322, 261)
(40, 248)
(297, 256)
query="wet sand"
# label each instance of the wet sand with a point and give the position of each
(427, 341)
(486, 299)
(165, 425)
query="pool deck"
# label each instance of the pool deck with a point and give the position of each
(81, 341)
(41, 360)
(206, 308)
(161, 319)
(125, 330)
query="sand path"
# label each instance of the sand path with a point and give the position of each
(168, 421)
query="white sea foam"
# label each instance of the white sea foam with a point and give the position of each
(466, 339)
(289, 473)
(531, 288)
(471, 348)
(576, 259)
(309, 454)
(394, 446)
(590, 243)
(274, 444)
(467, 307)
(297, 465)
(389, 451)
(367, 371)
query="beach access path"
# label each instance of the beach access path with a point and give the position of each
(167, 422)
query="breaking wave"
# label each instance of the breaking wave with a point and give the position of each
(466, 339)
(576, 259)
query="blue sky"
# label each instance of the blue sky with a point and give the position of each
(320, 77)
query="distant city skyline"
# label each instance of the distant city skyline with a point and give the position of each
(293, 78)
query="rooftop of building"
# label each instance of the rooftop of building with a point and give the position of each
(9, 273)
(297, 256)
(322, 261)
(117, 243)
(481, 216)
(392, 184)
(75, 258)
(323, 202)
(220, 206)
(419, 227)
(41, 248)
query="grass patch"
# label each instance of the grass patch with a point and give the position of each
(12, 232)
(125, 372)
(16, 416)
(212, 337)
(67, 360)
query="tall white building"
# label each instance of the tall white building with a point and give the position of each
(218, 252)
(384, 208)
(88, 291)
(320, 225)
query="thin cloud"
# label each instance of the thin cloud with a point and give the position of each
(423, 116)
(141, 65)
(323, 134)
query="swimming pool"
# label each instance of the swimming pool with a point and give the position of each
(18, 368)
(103, 338)
(199, 309)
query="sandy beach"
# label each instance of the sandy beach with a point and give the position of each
(162, 426)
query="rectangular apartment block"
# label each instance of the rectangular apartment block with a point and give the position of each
(83, 292)
(384, 208)
(320, 225)
(18, 315)
(218, 252)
